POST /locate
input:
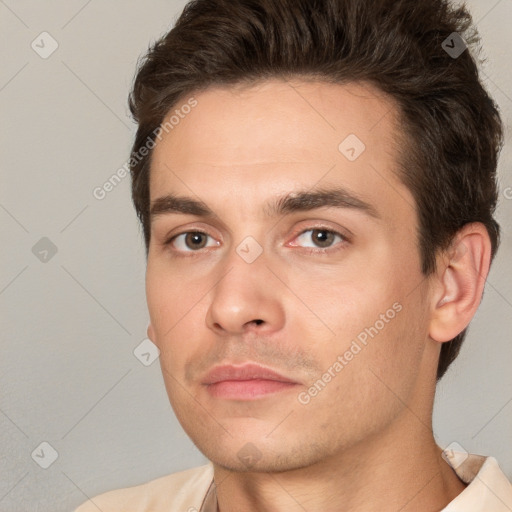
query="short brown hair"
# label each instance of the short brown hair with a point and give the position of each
(452, 126)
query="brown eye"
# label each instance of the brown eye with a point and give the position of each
(322, 237)
(195, 240)
(191, 241)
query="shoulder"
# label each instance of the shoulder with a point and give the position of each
(181, 491)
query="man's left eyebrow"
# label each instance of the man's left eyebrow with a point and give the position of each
(320, 198)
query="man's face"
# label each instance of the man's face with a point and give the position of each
(330, 297)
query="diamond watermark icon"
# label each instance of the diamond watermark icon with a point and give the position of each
(146, 352)
(45, 455)
(44, 250)
(351, 147)
(455, 455)
(249, 249)
(44, 45)
(249, 454)
(454, 45)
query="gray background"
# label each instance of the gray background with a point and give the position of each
(68, 375)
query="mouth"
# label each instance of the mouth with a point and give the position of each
(247, 382)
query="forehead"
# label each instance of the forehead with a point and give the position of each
(252, 141)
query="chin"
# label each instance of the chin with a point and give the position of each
(259, 453)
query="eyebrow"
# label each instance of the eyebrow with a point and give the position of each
(297, 201)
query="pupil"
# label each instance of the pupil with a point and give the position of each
(194, 239)
(323, 237)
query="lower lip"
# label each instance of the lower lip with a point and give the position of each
(247, 389)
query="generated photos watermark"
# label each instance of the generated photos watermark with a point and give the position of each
(356, 346)
(100, 192)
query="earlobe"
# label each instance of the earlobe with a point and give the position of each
(461, 278)
(151, 333)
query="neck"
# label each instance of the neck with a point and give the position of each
(399, 469)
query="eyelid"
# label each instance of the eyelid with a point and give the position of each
(170, 240)
(345, 233)
(196, 227)
(345, 238)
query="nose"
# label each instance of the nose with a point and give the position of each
(248, 297)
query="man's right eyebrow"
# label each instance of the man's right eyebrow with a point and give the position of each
(171, 203)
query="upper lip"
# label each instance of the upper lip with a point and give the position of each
(249, 371)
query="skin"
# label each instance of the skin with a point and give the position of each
(365, 441)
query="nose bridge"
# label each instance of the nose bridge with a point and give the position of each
(246, 257)
(244, 293)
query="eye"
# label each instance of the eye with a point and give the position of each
(315, 240)
(190, 241)
(321, 238)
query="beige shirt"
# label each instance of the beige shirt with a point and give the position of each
(194, 491)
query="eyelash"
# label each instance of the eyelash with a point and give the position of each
(308, 250)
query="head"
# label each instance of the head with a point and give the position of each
(290, 125)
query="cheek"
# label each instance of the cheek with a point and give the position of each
(379, 333)
(177, 304)
(169, 295)
(391, 359)
(377, 378)
(351, 307)
(169, 302)
(352, 296)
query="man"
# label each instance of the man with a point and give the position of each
(316, 183)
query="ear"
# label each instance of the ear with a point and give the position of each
(151, 333)
(459, 282)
